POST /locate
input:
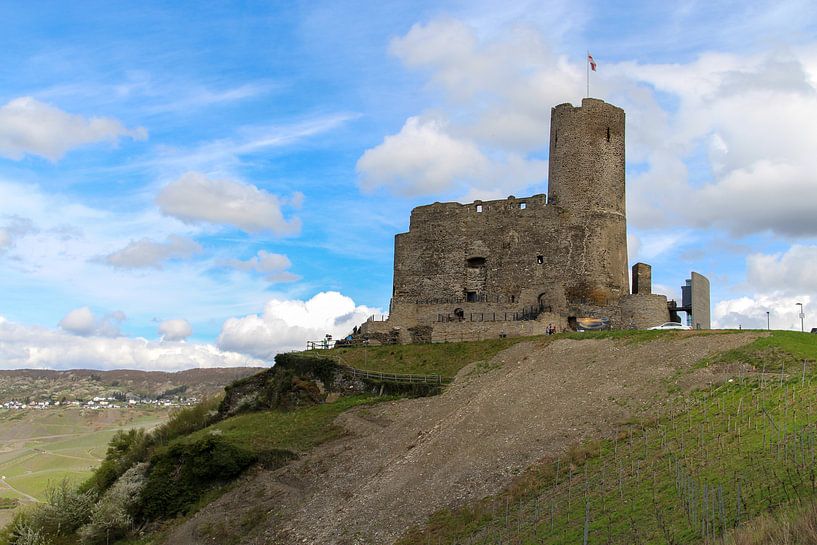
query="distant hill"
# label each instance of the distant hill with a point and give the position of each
(83, 384)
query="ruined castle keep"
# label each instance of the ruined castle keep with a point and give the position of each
(517, 265)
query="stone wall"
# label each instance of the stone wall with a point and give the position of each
(641, 311)
(477, 331)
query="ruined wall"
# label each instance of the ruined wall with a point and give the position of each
(642, 279)
(700, 302)
(477, 331)
(641, 311)
(586, 180)
(507, 250)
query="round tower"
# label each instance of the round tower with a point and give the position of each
(586, 182)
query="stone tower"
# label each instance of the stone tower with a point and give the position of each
(586, 182)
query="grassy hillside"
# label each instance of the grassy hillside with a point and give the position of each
(719, 458)
(422, 359)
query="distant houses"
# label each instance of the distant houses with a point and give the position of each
(100, 403)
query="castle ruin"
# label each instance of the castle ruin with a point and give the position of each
(515, 266)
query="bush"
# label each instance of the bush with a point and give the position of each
(125, 449)
(131, 447)
(180, 473)
(66, 509)
(112, 517)
(24, 533)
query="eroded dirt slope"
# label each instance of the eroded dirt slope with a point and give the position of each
(405, 460)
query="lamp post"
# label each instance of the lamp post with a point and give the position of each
(802, 317)
(768, 322)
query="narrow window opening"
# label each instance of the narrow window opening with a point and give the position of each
(459, 313)
(523, 205)
(540, 259)
(555, 138)
(479, 208)
(475, 262)
(608, 134)
(471, 296)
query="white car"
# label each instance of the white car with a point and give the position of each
(671, 325)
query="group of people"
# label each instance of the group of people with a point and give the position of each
(551, 329)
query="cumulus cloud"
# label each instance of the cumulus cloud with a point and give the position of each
(175, 330)
(195, 198)
(738, 145)
(82, 321)
(41, 348)
(288, 324)
(495, 115)
(31, 127)
(147, 253)
(272, 266)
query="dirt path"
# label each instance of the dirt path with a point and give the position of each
(8, 486)
(407, 459)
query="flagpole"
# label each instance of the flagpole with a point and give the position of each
(587, 62)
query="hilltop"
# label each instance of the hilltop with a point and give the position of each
(535, 440)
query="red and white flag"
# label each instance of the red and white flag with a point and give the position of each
(592, 62)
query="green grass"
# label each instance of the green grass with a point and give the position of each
(770, 353)
(296, 431)
(46, 446)
(740, 449)
(444, 359)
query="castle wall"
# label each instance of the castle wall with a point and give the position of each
(508, 250)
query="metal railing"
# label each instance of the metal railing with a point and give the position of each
(393, 377)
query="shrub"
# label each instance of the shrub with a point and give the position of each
(24, 533)
(112, 517)
(125, 449)
(66, 509)
(180, 473)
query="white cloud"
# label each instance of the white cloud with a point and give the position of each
(737, 148)
(31, 127)
(749, 312)
(288, 324)
(175, 330)
(272, 266)
(41, 348)
(196, 198)
(791, 272)
(495, 115)
(147, 253)
(82, 321)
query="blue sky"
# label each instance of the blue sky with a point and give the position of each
(186, 184)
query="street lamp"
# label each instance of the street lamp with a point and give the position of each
(802, 317)
(768, 322)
